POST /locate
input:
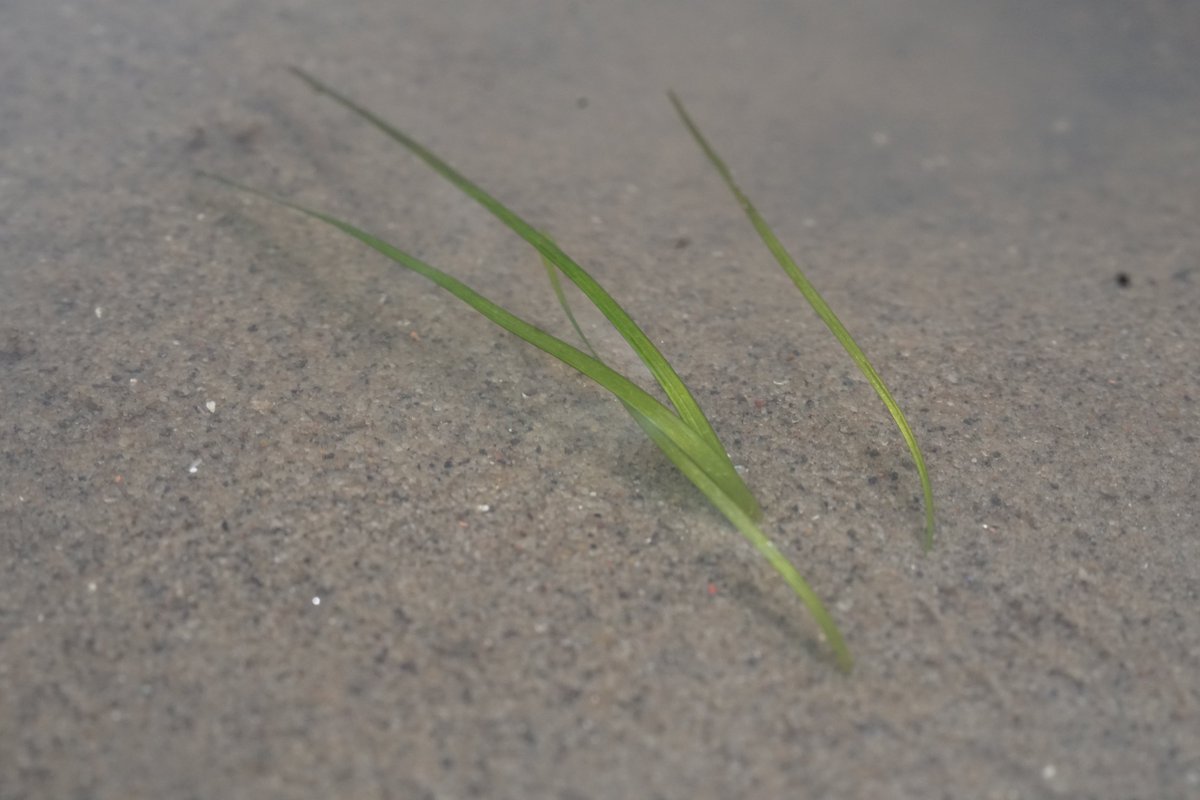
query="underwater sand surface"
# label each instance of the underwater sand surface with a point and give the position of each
(278, 520)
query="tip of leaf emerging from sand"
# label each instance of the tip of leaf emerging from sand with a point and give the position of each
(680, 429)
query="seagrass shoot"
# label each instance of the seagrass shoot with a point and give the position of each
(679, 427)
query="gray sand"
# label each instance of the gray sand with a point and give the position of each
(217, 413)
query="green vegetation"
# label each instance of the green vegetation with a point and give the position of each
(823, 311)
(680, 429)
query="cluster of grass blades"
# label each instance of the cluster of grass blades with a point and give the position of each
(680, 430)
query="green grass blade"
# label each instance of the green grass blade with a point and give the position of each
(674, 387)
(679, 442)
(634, 397)
(556, 285)
(747, 527)
(823, 311)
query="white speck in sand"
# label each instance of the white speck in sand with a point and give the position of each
(316, 601)
(194, 467)
(99, 312)
(91, 586)
(211, 405)
(483, 508)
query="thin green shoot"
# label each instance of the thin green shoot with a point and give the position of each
(556, 285)
(687, 448)
(677, 392)
(823, 311)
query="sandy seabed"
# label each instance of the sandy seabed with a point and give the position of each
(280, 521)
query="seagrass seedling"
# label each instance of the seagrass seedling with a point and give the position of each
(680, 429)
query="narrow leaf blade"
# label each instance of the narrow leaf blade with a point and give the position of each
(823, 311)
(674, 387)
(632, 395)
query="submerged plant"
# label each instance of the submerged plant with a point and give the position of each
(823, 311)
(680, 430)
